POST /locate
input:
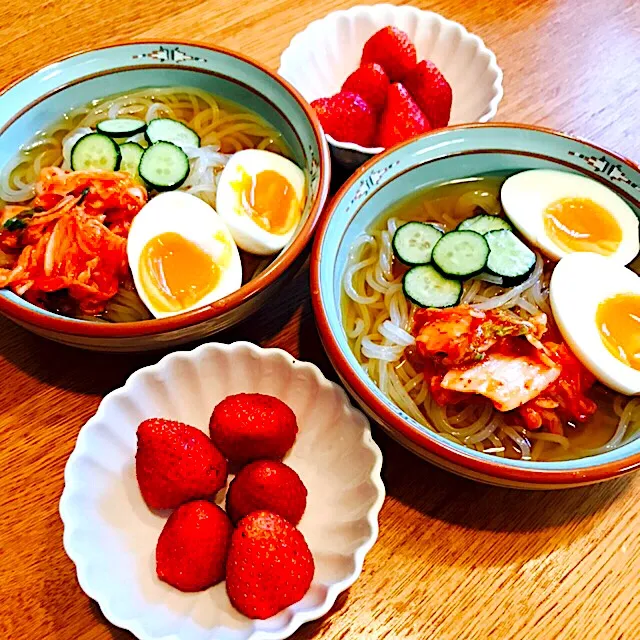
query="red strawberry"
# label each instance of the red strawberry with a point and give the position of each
(346, 117)
(393, 50)
(192, 549)
(370, 82)
(401, 118)
(431, 91)
(251, 426)
(176, 463)
(267, 485)
(269, 566)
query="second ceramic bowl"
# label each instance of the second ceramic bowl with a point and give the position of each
(319, 59)
(34, 103)
(448, 155)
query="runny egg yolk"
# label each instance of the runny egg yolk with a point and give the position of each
(269, 199)
(579, 224)
(175, 272)
(618, 320)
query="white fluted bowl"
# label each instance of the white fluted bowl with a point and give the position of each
(110, 534)
(319, 59)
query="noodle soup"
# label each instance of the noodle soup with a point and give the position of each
(42, 175)
(412, 352)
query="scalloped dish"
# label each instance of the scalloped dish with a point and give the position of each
(111, 534)
(323, 61)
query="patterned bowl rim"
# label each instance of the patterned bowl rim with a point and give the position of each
(271, 274)
(481, 465)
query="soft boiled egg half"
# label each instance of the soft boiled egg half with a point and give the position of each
(181, 254)
(260, 197)
(563, 213)
(596, 305)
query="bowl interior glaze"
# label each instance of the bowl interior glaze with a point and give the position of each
(445, 156)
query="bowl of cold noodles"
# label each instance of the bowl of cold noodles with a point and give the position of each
(477, 291)
(152, 193)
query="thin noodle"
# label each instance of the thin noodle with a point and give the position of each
(556, 438)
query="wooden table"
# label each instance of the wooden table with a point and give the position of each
(455, 560)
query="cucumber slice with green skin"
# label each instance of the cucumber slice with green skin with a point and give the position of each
(413, 242)
(95, 151)
(461, 254)
(121, 127)
(131, 153)
(509, 257)
(173, 131)
(425, 286)
(484, 223)
(164, 166)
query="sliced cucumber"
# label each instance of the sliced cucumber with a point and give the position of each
(164, 166)
(131, 154)
(171, 131)
(413, 242)
(121, 127)
(461, 254)
(484, 223)
(509, 257)
(95, 151)
(426, 287)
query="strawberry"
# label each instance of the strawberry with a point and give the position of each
(176, 463)
(251, 426)
(267, 485)
(393, 50)
(269, 566)
(431, 91)
(192, 549)
(346, 117)
(370, 82)
(401, 119)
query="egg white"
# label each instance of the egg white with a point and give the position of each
(248, 235)
(526, 195)
(579, 283)
(196, 221)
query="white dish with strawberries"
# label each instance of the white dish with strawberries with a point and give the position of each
(319, 60)
(159, 437)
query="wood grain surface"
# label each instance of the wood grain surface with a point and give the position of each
(454, 560)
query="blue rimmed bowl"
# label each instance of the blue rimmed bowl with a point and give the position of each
(38, 100)
(443, 156)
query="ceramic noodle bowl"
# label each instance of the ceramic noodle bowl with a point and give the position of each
(435, 159)
(37, 101)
